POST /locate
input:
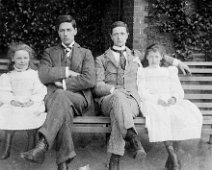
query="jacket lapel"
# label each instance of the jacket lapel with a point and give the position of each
(129, 54)
(58, 55)
(111, 57)
(76, 57)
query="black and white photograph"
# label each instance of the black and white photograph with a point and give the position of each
(105, 84)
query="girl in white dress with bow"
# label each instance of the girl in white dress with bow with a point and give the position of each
(21, 96)
(169, 118)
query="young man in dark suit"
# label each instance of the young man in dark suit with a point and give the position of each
(69, 73)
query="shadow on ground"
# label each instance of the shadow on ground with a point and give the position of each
(91, 149)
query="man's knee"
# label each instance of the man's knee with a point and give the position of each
(60, 94)
(118, 97)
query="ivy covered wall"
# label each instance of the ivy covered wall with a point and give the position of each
(183, 26)
(33, 22)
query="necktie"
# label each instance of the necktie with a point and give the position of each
(68, 51)
(122, 58)
(67, 56)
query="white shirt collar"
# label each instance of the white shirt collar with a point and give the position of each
(70, 45)
(19, 70)
(119, 48)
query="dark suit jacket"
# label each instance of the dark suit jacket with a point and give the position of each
(52, 68)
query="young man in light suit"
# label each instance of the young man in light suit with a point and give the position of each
(117, 95)
(68, 71)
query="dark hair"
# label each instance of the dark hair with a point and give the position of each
(118, 24)
(152, 48)
(17, 46)
(66, 18)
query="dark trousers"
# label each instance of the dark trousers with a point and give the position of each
(62, 106)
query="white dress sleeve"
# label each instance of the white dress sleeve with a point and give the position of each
(39, 90)
(176, 89)
(6, 94)
(143, 92)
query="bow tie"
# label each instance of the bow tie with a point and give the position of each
(67, 48)
(119, 51)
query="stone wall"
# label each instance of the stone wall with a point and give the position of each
(139, 25)
(146, 32)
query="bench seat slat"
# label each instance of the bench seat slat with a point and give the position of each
(101, 120)
(89, 129)
(207, 131)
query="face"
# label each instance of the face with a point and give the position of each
(67, 32)
(21, 59)
(154, 58)
(119, 36)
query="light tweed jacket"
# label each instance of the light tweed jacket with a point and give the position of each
(110, 74)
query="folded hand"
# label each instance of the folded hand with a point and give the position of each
(16, 103)
(28, 103)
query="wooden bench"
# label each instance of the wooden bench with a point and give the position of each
(198, 89)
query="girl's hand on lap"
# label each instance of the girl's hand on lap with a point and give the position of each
(28, 103)
(162, 102)
(16, 103)
(172, 101)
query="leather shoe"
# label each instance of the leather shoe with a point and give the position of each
(63, 166)
(36, 155)
(114, 162)
(139, 152)
(169, 163)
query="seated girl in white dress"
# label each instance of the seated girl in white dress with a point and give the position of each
(169, 118)
(21, 96)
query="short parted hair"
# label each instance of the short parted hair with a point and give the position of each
(118, 24)
(152, 48)
(66, 18)
(17, 46)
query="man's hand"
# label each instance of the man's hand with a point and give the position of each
(72, 73)
(28, 103)
(16, 103)
(58, 84)
(172, 101)
(184, 68)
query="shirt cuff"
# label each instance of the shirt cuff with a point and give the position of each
(176, 62)
(64, 84)
(66, 72)
(112, 89)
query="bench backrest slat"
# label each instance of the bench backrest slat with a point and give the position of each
(198, 88)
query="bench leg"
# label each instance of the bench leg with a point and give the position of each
(7, 144)
(210, 140)
(31, 139)
(107, 137)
